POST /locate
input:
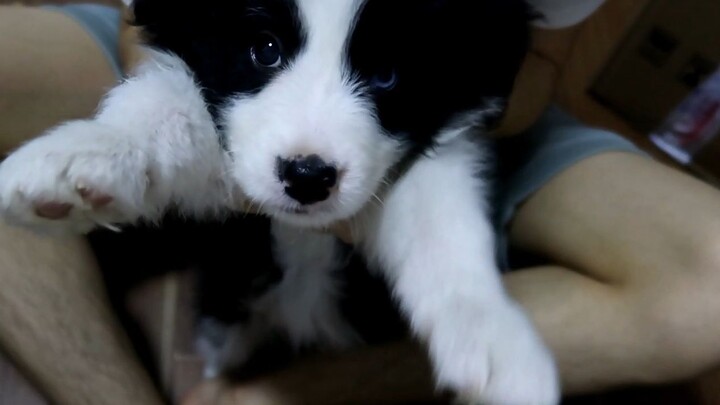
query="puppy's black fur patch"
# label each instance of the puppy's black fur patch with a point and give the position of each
(214, 38)
(449, 57)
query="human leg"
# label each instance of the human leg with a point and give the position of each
(55, 321)
(51, 70)
(626, 255)
(640, 302)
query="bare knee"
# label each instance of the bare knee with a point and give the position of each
(675, 311)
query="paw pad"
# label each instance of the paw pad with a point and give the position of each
(95, 198)
(53, 210)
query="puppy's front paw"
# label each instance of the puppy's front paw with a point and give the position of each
(79, 175)
(493, 356)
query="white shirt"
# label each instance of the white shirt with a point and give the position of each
(563, 13)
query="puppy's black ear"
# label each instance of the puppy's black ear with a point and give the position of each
(142, 12)
(163, 21)
(534, 15)
(148, 12)
(147, 15)
(436, 4)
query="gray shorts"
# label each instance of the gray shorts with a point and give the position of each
(525, 162)
(102, 23)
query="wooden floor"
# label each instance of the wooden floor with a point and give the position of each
(162, 306)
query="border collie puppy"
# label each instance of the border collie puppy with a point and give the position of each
(317, 111)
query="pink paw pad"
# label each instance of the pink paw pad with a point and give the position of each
(95, 198)
(53, 210)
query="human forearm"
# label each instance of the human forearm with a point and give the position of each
(56, 323)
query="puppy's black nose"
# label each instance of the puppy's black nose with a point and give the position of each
(307, 179)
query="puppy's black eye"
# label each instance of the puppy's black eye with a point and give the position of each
(384, 80)
(266, 51)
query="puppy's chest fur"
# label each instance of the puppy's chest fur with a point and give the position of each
(295, 291)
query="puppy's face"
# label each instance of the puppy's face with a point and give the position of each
(318, 99)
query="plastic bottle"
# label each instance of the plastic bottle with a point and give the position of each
(693, 123)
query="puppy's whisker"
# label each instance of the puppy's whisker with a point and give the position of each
(378, 199)
(249, 208)
(260, 207)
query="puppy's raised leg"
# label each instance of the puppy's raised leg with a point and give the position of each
(436, 247)
(152, 144)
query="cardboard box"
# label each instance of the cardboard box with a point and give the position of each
(673, 46)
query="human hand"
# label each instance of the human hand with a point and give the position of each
(218, 392)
